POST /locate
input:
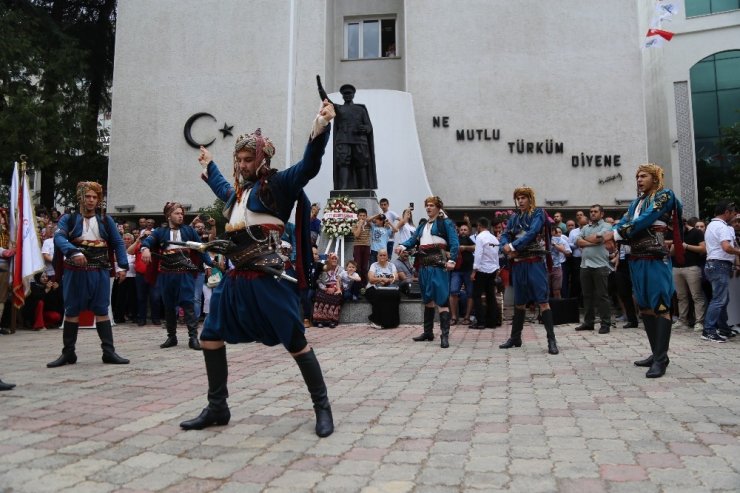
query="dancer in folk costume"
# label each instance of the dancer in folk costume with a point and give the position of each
(88, 240)
(526, 243)
(652, 218)
(251, 303)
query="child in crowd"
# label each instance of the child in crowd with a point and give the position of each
(351, 282)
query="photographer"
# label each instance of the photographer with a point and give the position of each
(44, 305)
(381, 231)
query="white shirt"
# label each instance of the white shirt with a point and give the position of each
(48, 248)
(485, 257)
(90, 229)
(717, 232)
(572, 238)
(427, 238)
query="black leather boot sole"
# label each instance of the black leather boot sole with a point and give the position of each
(169, 342)
(647, 362)
(114, 359)
(64, 359)
(510, 343)
(423, 337)
(207, 417)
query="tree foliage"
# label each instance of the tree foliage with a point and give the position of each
(56, 68)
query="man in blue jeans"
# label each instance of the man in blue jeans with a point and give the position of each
(721, 252)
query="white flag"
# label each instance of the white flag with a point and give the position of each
(28, 259)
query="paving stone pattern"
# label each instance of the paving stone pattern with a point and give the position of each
(410, 417)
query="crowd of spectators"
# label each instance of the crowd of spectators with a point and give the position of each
(598, 280)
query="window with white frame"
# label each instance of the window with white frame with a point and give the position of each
(370, 38)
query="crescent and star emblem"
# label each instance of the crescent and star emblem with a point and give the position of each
(187, 130)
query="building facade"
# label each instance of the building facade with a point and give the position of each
(468, 100)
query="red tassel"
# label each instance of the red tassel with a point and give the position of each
(300, 266)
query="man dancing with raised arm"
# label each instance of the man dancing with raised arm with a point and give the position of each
(250, 304)
(87, 240)
(525, 242)
(644, 228)
(178, 267)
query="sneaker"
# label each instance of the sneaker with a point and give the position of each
(713, 337)
(375, 326)
(604, 329)
(319, 325)
(678, 325)
(621, 318)
(727, 334)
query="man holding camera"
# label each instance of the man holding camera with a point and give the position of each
(381, 232)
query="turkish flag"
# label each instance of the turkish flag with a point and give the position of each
(667, 35)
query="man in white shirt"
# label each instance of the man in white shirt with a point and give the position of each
(392, 218)
(47, 251)
(721, 252)
(572, 288)
(485, 270)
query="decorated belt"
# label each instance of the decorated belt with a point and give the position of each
(433, 255)
(648, 242)
(96, 256)
(256, 249)
(527, 260)
(176, 261)
(638, 256)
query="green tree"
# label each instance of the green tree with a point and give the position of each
(56, 65)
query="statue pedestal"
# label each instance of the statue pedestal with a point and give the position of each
(365, 199)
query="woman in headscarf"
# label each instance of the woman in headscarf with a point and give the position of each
(328, 304)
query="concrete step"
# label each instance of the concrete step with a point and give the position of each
(356, 312)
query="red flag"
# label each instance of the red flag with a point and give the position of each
(19, 292)
(27, 260)
(667, 35)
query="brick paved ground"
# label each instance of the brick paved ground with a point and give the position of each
(409, 416)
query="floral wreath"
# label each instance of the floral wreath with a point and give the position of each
(340, 214)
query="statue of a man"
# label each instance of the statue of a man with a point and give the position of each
(354, 153)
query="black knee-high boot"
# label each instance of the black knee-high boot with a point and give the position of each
(69, 339)
(649, 323)
(428, 334)
(444, 325)
(660, 352)
(517, 325)
(192, 322)
(311, 371)
(170, 323)
(217, 412)
(105, 332)
(547, 321)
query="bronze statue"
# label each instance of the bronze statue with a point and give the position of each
(354, 152)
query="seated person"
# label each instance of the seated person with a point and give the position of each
(382, 292)
(44, 306)
(328, 304)
(407, 275)
(351, 282)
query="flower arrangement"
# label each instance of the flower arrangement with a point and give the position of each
(340, 215)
